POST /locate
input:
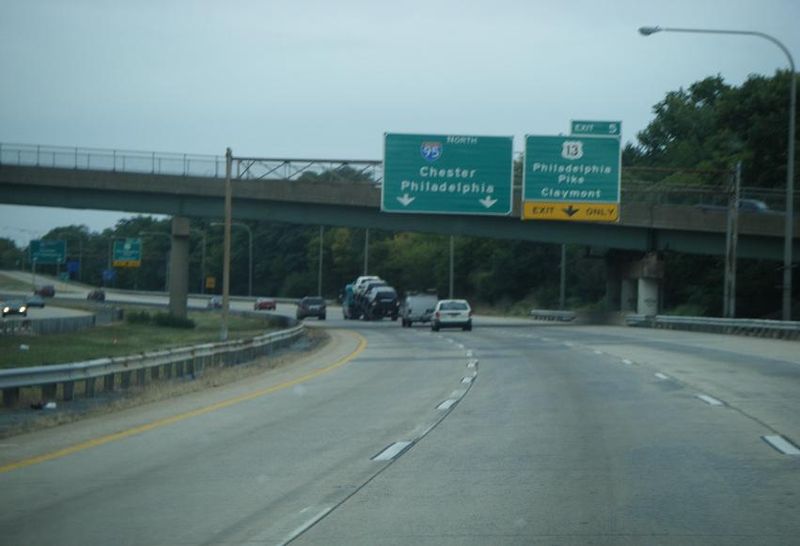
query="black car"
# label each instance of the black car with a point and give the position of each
(311, 307)
(15, 307)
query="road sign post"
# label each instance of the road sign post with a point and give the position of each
(572, 178)
(127, 253)
(441, 174)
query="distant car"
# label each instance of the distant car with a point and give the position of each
(47, 291)
(215, 302)
(452, 314)
(35, 301)
(311, 307)
(15, 307)
(96, 295)
(753, 205)
(264, 304)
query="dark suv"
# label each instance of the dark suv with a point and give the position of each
(311, 307)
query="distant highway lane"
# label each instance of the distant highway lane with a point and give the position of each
(514, 433)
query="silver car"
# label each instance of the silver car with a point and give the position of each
(452, 314)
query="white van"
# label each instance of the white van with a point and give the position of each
(417, 307)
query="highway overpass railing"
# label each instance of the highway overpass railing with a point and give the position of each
(176, 164)
(749, 327)
(126, 371)
(636, 188)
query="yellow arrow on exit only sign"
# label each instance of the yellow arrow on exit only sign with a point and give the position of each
(570, 212)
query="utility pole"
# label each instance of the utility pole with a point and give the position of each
(731, 244)
(226, 259)
(319, 276)
(366, 251)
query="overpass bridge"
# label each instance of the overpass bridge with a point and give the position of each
(347, 193)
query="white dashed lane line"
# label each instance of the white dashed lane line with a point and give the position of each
(447, 404)
(467, 380)
(782, 444)
(661, 375)
(627, 362)
(392, 451)
(710, 400)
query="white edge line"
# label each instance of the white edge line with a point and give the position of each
(392, 451)
(304, 527)
(447, 404)
(782, 444)
(710, 400)
(458, 393)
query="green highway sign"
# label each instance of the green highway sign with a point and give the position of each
(573, 178)
(127, 253)
(598, 128)
(48, 252)
(447, 174)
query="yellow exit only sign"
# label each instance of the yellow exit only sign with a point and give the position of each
(576, 212)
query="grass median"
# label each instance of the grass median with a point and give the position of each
(121, 339)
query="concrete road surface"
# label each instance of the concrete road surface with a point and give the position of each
(514, 433)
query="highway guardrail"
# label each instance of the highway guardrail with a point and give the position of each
(127, 370)
(560, 316)
(751, 327)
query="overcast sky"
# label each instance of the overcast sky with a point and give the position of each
(326, 78)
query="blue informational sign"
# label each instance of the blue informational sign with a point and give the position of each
(109, 275)
(73, 267)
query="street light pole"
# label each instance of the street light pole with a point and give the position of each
(789, 216)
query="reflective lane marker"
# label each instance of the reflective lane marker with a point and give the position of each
(661, 375)
(466, 380)
(307, 525)
(782, 444)
(710, 400)
(392, 451)
(627, 362)
(447, 404)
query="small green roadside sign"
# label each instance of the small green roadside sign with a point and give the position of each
(45, 251)
(127, 253)
(572, 178)
(597, 128)
(447, 174)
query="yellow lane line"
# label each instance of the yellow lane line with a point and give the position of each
(362, 344)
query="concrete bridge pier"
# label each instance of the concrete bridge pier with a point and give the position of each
(634, 285)
(179, 267)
